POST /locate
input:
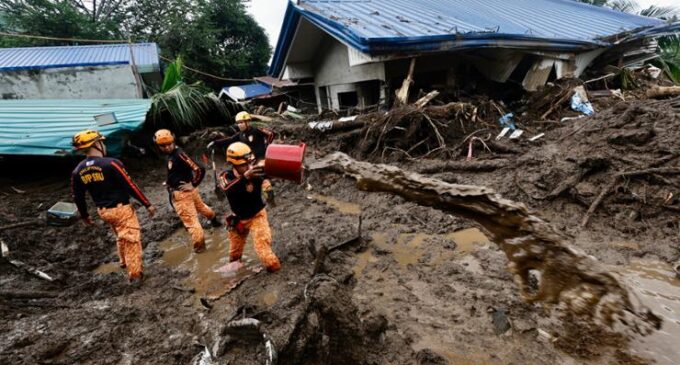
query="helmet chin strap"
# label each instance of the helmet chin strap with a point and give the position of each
(96, 147)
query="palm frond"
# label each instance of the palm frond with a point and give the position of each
(626, 6)
(185, 104)
(173, 75)
(655, 11)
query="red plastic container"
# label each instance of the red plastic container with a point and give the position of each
(285, 161)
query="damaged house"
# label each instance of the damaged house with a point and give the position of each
(357, 53)
(112, 71)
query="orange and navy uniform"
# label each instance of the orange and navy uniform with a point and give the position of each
(258, 139)
(244, 195)
(182, 169)
(245, 200)
(108, 183)
(187, 202)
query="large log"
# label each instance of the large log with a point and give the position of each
(530, 243)
(662, 91)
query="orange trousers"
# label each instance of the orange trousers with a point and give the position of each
(262, 236)
(123, 220)
(187, 205)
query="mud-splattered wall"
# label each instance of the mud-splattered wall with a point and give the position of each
(99, 82)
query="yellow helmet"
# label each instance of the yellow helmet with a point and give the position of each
(85, 139)
(163, 136)
(239, 153)
(243, 117)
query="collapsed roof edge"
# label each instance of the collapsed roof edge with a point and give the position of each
(445, 42)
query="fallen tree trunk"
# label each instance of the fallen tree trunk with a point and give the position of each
(530, 243)
(661, 91)
(486, 165)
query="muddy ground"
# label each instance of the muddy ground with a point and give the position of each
(422, 286)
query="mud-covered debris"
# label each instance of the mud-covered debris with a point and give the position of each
(251, 328)
(530, 243)
(500, 321)
(429, 357)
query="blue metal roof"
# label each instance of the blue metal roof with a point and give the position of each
(31, 58)
(390, 26)
(247, 92)
(45, 127)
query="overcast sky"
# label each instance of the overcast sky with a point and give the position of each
(269, 13)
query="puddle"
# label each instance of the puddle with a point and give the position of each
(363, 259)
(658, 288)
(467, 240)
(447, 352)
(108, 268)
(340, 206)
(205, 274)
(406, 247)
(270, 298)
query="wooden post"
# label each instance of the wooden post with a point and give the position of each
(402, 93)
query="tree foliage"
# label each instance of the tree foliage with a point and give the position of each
(215, 36)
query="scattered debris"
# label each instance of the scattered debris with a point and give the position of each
(62, 214)
(252, 328)
(580, 103)
(35, 272)
(18, 191)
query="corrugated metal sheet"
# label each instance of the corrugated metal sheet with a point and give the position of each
(386, 26)
(246, 92)
(45, 127)
(32, 58)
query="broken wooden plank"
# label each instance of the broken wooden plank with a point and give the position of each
(662, 91)
(33, 271)
(403, 92)
(426, 99)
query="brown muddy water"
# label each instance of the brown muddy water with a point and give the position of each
(208, 276)
(340, 206)
(657, 287)
(654, 283)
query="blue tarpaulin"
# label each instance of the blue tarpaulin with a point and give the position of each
(246, 92)
(45, 127)
(379, 27)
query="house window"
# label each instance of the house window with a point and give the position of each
(348, 99)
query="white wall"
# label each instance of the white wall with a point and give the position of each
(101, 82)
(333, 67)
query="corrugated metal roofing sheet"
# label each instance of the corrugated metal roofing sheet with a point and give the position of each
(386, 26)
(246, 92)
(31, 58)
(45, 127)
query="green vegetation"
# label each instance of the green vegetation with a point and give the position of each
(216, 36)
(183, 107)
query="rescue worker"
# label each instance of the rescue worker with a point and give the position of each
(243, 187)
(110, 187)
(184, 176)
(258, 139)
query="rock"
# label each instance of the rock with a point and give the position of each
(499, 318)
(429, 357)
